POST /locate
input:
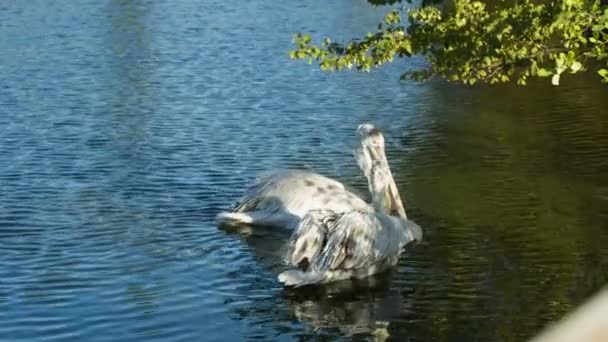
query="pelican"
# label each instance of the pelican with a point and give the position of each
(283, 198)
(329, 246)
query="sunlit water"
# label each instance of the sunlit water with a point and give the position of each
(125, 126)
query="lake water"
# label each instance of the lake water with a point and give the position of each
(127, 125)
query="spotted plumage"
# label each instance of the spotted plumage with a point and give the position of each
(337, 234)
(353, 244)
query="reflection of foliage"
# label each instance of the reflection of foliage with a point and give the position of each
(469, 42)
(503, 188)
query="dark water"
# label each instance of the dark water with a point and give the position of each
(127, 125)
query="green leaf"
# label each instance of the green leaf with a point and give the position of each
(560, 61)
(392, 17)
(544, 72)
(571, 55)
(407, 46)
(576, 66)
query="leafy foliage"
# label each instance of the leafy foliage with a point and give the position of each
(470, 41)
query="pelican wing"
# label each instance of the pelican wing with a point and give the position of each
(298, 192)
(358, 241)
(309, 238)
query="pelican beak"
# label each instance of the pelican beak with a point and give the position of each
(396, 207)
(394, 202)
(372, 144)
(377, 154)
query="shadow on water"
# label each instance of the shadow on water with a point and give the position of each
(267, 243)
(513, 183)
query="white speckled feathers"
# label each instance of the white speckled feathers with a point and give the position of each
(327, 246)
(286, 193)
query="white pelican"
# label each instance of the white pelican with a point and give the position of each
(282, 198)
(329, 246)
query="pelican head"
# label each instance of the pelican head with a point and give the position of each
(371, 154)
